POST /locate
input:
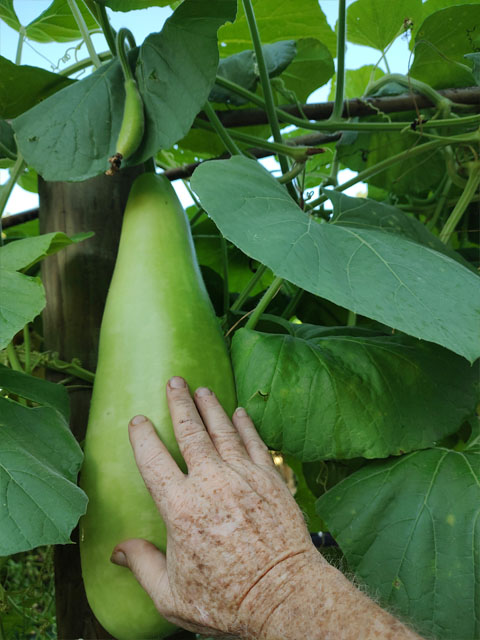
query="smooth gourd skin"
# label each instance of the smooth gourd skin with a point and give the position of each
(158, 322)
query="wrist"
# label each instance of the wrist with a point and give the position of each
(282, 591)
(304, 596)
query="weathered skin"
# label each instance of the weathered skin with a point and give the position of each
(158, 319)
(252, 571)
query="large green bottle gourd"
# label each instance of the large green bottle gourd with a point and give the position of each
(158, 322)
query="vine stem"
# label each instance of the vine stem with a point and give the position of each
(21, 40)
(440, 204)
(13, 357)
(82, 26)
(264, 302)
(27, 348)
(380, 166)
(196, 216)
(443, 104)
(221, 131)
(292, 173)
(6, 189)
(340, 81)
(226, 292)
(249, 287)
(107, 28)
(298, 154)
(346, 126)
(470, 190)
(266, 85)
(292, 305)
(83, 64)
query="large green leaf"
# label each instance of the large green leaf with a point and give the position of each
(311, 68)
(380, 275)
(176, 70)
(441, 43)
(242, 68)
(429, 7)
(319, 396)
(57, 24)
(362, 213)
(8, 15)
(475, 58)
(22, 297)
(36, 389)
(370, 23)
(24, 253)
(39, 461)
(7, 141)
(70, 135)
(278, 20)
(410, 529)
(22, 87)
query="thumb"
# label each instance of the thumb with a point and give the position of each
(149, 566)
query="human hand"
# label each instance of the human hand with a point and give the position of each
(236, 540)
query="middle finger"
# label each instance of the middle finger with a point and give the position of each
(225, 437)
(193, 440)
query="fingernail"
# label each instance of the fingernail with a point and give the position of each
(177, 383)
(118, 557)
(240, 412)
(203, 391)
(138, 419)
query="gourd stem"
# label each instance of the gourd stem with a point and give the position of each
(122, 35)
(463, 202)
(150, 166)
(250, 286)
(336, 115)
(82, 26)
(264, 302)
(220, 130)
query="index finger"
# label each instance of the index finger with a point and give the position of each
(159, 470)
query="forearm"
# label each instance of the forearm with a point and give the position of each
(317, 602)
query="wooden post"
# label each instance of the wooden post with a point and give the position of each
(76, 282)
